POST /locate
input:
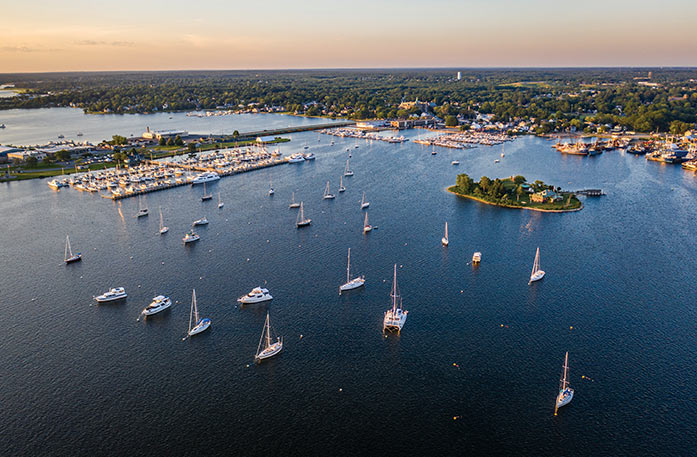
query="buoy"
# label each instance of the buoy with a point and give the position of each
(571, 328)
(162, 263)
(139, 286)
(340, 389)
(247, 259)
(267, 241)
(461, 291)
(301, 337)
(501, 325)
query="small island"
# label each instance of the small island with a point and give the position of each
(516, 192)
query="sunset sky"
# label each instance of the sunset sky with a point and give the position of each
(229, 34)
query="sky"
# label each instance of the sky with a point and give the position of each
(73, 35)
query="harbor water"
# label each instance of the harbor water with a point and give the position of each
(475, 370)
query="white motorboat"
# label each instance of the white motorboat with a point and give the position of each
(296, 158)
(366, 226)
(328, 195)
(163, 229)
(354, 283)
(266, 348)
(444, 240)
(347, 171)
(497, 161)
(455, 162)
(309, 156)
(395, 317)
(202, 221)
(116, 293)
(190, 237)
(477, 257)
(341, 184)
(537, 272)
(69, 256)
(302, 221)
(364, 204)
(566, 393)
(159, 303)
(257, 295)
(205, 177)
(220, 202)
(196, 325)
(293, 203)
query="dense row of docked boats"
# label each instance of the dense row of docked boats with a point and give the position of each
(345, 132)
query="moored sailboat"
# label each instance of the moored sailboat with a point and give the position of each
(328, 195)
(347, 171)
(69, 256)
(199, 325)
(163, 229)
(366, 226)
(206, 196)
(142, 210)
(220, 202)
(302, 221)
(444, 240)
(364, 203)
(341, 184)
(293, 203)
(566, 393)
(266, 348)
(354, 283)
(537, 272)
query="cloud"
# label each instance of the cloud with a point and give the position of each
(27, 49)
(105, 43)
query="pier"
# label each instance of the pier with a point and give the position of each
(588, 192)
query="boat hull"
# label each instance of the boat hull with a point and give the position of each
(394, 322)
(304, 223)
(73, 259)
(102, 299)
(252, 300)
(270, 351)
(565, 397)
(444, 241)
(537, 276)
(159, 309)
(353, 284)
(202, 325)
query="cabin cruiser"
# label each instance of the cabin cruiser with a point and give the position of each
(296, 158)
(257, 295)
(205, 177)
(202, 221)
(190, 237)
(455, 162)
(159, 303)
(309, 156)
(116, 293)
(477, 257)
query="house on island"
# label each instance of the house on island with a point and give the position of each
(545, 196)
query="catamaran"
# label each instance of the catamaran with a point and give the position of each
(266, 348)
(537, 273)
(142, 210)
(364, 204)
(163, 229)
(395, 317)
(69, 256)
(220, 202)
(366, 226)
(327, 195)
(347, 171)
(293, 203)
(199, 324)
(341, 184)
(302, 221)
(566, 393)
(116, 293)
(205, 195)
(444, 240)
(354, 283)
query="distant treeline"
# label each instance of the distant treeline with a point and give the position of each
(557, 99)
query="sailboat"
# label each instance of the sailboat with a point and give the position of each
(293, 203)
(302, 221)
(267, 349)
(142, 210)
(199, 325)
(566, 393)
(220, 202)
(395, 317)
(271, 191)
(354, 283)
(444, 240)
(163, 229)
(69, 256)
(347, 171)
(537, 273)
(366, 226)
(341, 184)
(327, 195)
(364, 204)
(205, 196)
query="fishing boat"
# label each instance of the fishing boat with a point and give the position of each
(364, 204)
(341, 184)
(199, 325)
(566, 393)
(444, 240)
(158, 304)
(116, 293)
(354, 283)
(205, 196)
(202, 221)
(537, 273)
(395, 317)
(220, 202)
(302, 221)
(257, 295)
(163, 229)
(347, 171)
(328, 195)
(266, 348)
(477, 257)
(366, 226)
(293, 203)
(190, 237)
(69, 256)
(142, 209)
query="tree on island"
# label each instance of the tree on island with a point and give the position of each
(178, 141)
(119, 140)
(451, 121)
(62, 155)
(162, 141)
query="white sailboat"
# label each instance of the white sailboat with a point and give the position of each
(537, 273)
(220, 202)
(341, 184)
(366, 226)
(205, 196)
(395, 317)
(163, 229)
(302, 221)
(266, 348)
(271, 191)
(347, 171)
(354, 283)
(444, 240)
(293, 203)
(364, 204)
(142, 209)
(566, 393)
(69, 256)
(328, 195)
(199, 325)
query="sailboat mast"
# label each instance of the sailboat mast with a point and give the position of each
(394, 289)
(565, 372)
(268, 331)
(195, 305)
(446, 230)
(348, 266)
(191, 312)
(67, 247)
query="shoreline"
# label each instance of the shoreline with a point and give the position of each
(501, 205)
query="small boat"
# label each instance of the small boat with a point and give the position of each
(190, 237)
(477, 257)
(266, 348)
(309, 156)
(355, 145)
(80, 133)
(202, 221)
(69, 256)
(2, 126)
(366, 226)
(220, 202)
(455, 162)
(199, 325)
(302, 221)
(444, 240)
(61, 136)
(271, 191)
(497, 161)
(163, 229)
(364, 204)
(306, 146)
(537, 273)
(205, 196)
(116, 293)
(327, 195)
(293, 203)
(159, 303)
(257, 295)
(566, 393)
(296, 158)
(341, 184)
(395, 317)
(433, 152)
(142, 210)
(354, 283)
(347, 171)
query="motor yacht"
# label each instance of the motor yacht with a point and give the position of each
(205, 177)
(296, 158)
(257, 295)
(159, 303)
(190, 237)
(202, 221)
(116, 293)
